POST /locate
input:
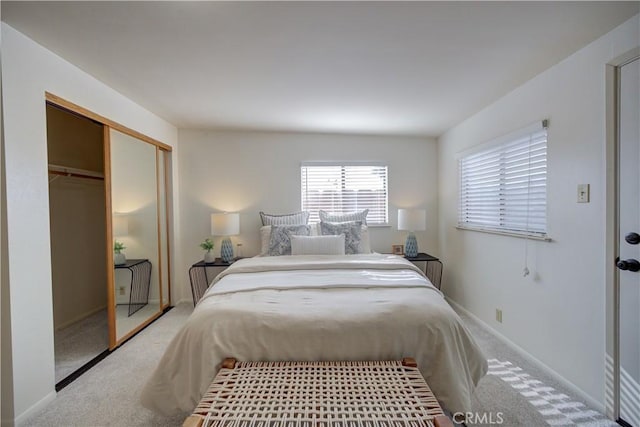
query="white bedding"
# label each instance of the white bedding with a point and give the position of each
(355, 307)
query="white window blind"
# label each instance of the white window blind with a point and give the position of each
(344, 188)
(503, 187)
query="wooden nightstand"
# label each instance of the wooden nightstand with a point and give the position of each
(432, 267)
(202, 273)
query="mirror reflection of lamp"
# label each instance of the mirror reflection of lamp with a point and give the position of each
(412, 220)
(225, 224)
(120, 229)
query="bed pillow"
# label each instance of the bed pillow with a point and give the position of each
(265, 235)
(280, 239)
(365, 242)
(352, 231)
(317, 245)
(352, 216)
(296, 218)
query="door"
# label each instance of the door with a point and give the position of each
(629, 241)
(138, 256)
(77, 224)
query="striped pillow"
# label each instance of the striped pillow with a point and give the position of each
(297, 218)
(351, 216)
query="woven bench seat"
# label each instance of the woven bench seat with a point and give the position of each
(318, 394)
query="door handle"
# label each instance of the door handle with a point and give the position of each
(632, 238)
(628, 264)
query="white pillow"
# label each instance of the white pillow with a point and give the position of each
(317, 245)
(365, 243)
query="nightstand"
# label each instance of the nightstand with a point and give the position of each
(432, 267)
(140, 270)
(202, 273)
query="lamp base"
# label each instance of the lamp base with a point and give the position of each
(226, 250)
(411, 246)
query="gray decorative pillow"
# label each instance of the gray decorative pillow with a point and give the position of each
(296, 218)
(280, 240)
(352, 231)
(351, 216)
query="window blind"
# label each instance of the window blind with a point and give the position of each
(503, 187)
(344, 188)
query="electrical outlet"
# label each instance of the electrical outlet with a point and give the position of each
(583, 193)
(499, 315)
(122, 290)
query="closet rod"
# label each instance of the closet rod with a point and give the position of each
(73, 172)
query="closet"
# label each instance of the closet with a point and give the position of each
(109, 229)
(78, 239)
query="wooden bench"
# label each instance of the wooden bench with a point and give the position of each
(318, 394)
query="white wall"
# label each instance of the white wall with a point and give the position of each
(28, 70)
(557, 313)
(249, 172)
(78, 250)
(6, 381)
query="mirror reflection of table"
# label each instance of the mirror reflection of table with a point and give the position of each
(140, 281)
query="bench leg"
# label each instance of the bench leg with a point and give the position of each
(442, 421)
(192, 421)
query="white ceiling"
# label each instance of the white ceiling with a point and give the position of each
(414, 68)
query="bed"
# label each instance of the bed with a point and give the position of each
(319, 308)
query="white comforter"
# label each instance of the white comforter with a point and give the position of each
(299, 308)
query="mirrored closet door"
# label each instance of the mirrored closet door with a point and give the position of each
(138, 201)
(164, 170)
(109, 189)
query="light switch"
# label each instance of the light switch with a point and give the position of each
(583, 193)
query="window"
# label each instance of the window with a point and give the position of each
(503, 186)
(344, 188)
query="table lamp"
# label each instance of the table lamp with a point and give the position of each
(120, 225)
(120, 229)
(225, 224)
(412, 220)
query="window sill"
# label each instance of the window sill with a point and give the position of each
(378, 225)
(507, 233)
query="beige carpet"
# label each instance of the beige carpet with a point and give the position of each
(107, 395)
(80, 342)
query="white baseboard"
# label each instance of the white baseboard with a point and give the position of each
(36, 407)
(599, 406)
(80, 317)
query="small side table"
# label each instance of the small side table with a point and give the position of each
(432, 268)
(200, 278)
(140, 281)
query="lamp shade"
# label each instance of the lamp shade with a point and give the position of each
(120, 225)
(225, 224)
(412, 219)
